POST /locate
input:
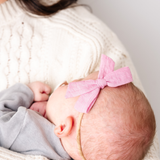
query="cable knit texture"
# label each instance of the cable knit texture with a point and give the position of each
(63, 47)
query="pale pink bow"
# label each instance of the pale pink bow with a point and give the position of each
(89, 89)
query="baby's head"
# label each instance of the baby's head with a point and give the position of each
(121, 124)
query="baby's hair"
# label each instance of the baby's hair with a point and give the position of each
(36, 7)
(120, 126)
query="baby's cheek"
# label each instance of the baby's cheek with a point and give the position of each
(39, 107)
(49, 112)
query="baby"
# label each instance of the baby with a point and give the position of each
(89, 119)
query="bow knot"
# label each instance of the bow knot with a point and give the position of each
(101, 83)
(89, 89)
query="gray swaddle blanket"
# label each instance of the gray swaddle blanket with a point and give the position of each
(23, 130)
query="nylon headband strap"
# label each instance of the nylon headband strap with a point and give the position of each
(79, 135)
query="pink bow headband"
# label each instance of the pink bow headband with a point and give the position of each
(89, 89)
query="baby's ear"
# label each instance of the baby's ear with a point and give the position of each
(65, 128)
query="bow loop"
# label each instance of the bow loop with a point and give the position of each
(106, 66)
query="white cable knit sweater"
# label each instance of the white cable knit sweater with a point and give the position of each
(63, 47)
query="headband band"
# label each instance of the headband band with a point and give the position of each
(79, 135)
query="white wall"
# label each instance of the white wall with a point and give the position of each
(137, 24)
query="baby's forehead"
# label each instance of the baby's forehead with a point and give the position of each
(93, 76)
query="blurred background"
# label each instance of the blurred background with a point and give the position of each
(137, 24)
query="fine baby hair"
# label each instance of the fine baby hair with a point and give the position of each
(121, 124)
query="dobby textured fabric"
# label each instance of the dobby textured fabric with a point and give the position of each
(89, 90)
(60, 48)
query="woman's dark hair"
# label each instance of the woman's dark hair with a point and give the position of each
(35, 7)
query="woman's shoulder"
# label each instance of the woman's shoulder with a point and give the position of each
(100, 37)
(81, 22)
(79, 19)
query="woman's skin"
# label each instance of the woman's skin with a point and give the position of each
(2, 1)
